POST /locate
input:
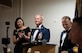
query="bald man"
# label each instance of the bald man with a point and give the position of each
(40, 32)
(65, 43)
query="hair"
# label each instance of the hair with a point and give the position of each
(78, 20)
(16, 22)
(66, 17)
(40, 15)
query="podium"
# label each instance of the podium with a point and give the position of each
(47, 48)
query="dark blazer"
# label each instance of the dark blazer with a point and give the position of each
(45, 33)
(67, 45)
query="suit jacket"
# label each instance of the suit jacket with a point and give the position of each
(67, 44)
(45, 33)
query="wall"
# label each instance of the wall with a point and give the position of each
(8, 14)
(52, 10)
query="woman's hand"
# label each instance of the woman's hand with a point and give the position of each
(20, 34)
(27, 36)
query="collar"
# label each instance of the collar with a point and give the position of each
(39, 26)
(67, 30)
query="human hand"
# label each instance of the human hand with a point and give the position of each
(20, 35)
(64, 51)
(40, 36)
(75, 49)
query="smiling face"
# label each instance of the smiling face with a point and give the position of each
(66, 24)
(19, 23)
(38, 20)
(76, 34)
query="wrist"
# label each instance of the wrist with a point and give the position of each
(17, 39)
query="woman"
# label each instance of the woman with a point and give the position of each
(20, 35)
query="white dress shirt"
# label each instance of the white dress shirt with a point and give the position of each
(63, 38)
(36, 32)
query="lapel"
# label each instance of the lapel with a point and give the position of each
(40, 30)
(66, 40)
(42, 27)
(66, 37)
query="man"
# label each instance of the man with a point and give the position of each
(65, 42)
(40, 32)
(76, 33)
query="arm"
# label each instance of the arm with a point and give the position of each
(16, 36)
(46, 35)
(27, 34)
(27, 37)
(15, 40)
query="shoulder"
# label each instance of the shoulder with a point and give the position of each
(44, 27)
(63, 32)
(15, 31)
(27, 29)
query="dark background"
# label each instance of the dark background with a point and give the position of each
(6, 2)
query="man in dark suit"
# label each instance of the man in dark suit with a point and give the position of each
(65, 42)
(40, 32)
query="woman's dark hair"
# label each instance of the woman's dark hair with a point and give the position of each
(17, 20)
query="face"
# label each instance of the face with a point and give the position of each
(19, 23)
(66, 24)
(38, 20)
(76, 34)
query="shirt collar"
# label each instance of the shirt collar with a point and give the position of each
(39, 27)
